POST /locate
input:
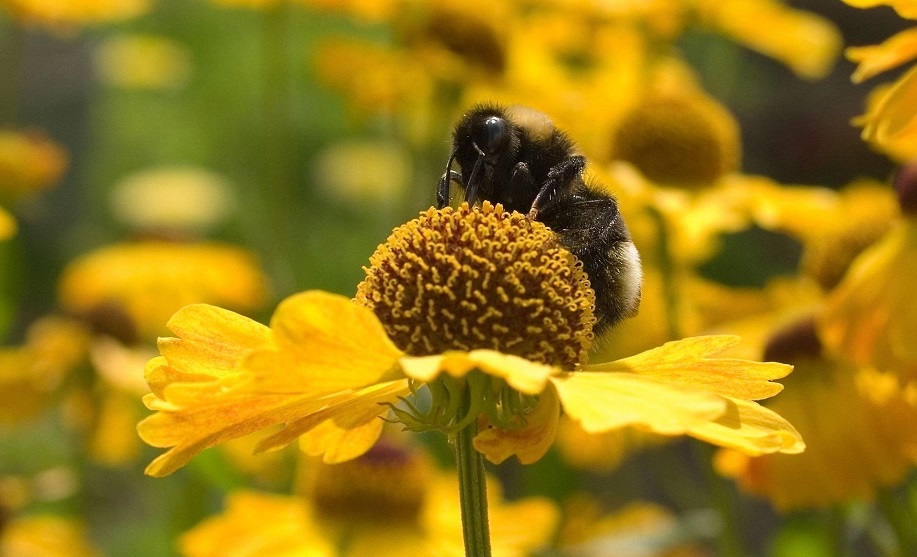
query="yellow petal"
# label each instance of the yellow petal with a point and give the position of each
(606, 401)
(876, 59)
(905, 8)
(892, 123)
(806, 42)
(201, 415)
(685, 362)
(523, 375)
(752, 429)
(344, 429)
(329, 342)
(871, 317)
(530, 442)
(213, 341)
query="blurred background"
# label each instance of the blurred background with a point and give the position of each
(155, 153)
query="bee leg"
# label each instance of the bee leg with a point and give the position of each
(520, 185)
(442, 190)
(558, 177)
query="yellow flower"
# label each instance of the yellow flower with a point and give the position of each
(637, 528)
(7, 225)
(148, 281)
(29, 162)
(871, 317)
(807, 43)
(173, 199)
(65, 14)
(30, 373)
(468, 299)
(833, 226)
(45, 535)
(388, 503)
(861, 438)
(143, 62)
(679, 139)
(890, 122)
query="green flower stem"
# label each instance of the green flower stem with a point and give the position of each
(472, 488)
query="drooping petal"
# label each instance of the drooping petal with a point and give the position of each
(605, 401)
(196, 416)
(523, 375)
(342, 430)
(685, 362)
(530, 442)
(750, 428)
(328, 343)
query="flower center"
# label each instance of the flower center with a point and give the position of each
(827, 257)
(686, 141)
(468, 278)
(387, 484)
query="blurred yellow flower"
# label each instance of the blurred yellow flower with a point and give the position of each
(30, 373)
(143, 62)
(173, 200)
(638, 529)
(340, 172)
(373, 78)
(29, 162)
(326, 363)
(863, 436)
(150, 280)
(807, 43)
(871, 317)
(679, 139)
(890, 122)
(65, 14)
(45, 535)
(7, 225)
(363, 508)
(112, 413)
(833, 226)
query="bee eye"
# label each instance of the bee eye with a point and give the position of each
(492, 135)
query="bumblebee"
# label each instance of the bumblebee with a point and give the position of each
(517, 157)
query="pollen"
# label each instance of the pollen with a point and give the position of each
(685, 141)
(472, 278)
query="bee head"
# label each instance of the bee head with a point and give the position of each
(490, 136)
(484, 140)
